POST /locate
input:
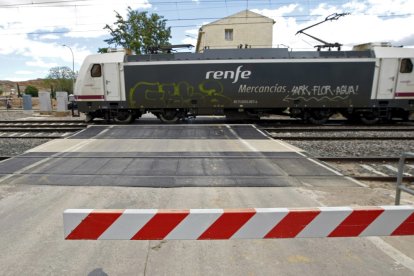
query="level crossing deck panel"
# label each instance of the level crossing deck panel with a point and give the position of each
(167, 156)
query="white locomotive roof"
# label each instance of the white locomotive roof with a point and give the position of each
(258, 53)
(105, 58)
(393, 52)
(379, 52)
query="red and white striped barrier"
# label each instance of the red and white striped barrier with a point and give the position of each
(216, 224)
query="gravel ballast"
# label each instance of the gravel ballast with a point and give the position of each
(13, 146)
(355, 148)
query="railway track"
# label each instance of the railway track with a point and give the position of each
(41, 122)
(330, 133)
(289, 122)
(330, 138)
(39, 129)
(369, 168)
(337, 128)
(381, 169)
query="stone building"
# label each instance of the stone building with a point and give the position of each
(244, 29)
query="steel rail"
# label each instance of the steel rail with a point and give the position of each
(331, 123)
(41, 125)
(34, 137)
(330, 129)
(32, 129)
(381, 178)
(40, 121)
(362, 159)
(331, 138)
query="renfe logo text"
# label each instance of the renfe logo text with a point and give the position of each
(233, 75)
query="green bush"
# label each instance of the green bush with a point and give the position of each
(31, 90)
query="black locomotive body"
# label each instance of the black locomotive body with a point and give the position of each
(248, 83)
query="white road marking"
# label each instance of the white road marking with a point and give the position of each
(392, 252)
(243, 141)
(262, 132)
(394, 169)
(371, 169)
(287, 145)
(310, 159)
(76, 133)
(385, 247)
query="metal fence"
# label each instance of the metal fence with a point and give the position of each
(400, 185)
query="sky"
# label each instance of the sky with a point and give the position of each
(33, 32)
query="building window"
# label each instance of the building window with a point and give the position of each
(96, 71)
(406, 65)
(228, 34)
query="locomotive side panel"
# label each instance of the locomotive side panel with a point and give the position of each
(252, 84)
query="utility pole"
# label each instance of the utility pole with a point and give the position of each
(73, 68)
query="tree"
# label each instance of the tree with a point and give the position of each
(31, 90)
(141, 32)
(102, 50)
(60, 79)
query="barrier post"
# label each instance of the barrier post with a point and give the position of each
(400, 186)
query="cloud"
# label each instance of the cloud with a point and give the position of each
(34, 31)
(192, 32)
(283, 10)
(389, 7)
(49, 37)
(38, 62)
(23, 72)
(76, 18)
(189, 40)
(409, 40)
(325, 10)
(366, 23)
(355, 6)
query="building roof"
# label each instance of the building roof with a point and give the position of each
(241, 14)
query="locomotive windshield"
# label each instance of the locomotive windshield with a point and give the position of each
(406, 66)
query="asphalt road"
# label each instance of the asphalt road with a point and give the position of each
(31, 228)
(31, 237)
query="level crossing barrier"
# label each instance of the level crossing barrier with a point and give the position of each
(400, 185)
(252, 223)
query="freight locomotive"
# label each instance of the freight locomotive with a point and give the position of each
(372, 82)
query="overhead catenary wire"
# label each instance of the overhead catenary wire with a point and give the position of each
(161, 2)
(76, 3)
(68, 28)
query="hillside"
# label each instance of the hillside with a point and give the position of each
(7, 86)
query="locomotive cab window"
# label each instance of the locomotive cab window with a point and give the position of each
(406, 65)
(96, 71)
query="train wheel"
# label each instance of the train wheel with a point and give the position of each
(369, 118)
(169, 116)
(319, 116)
(124, 117)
